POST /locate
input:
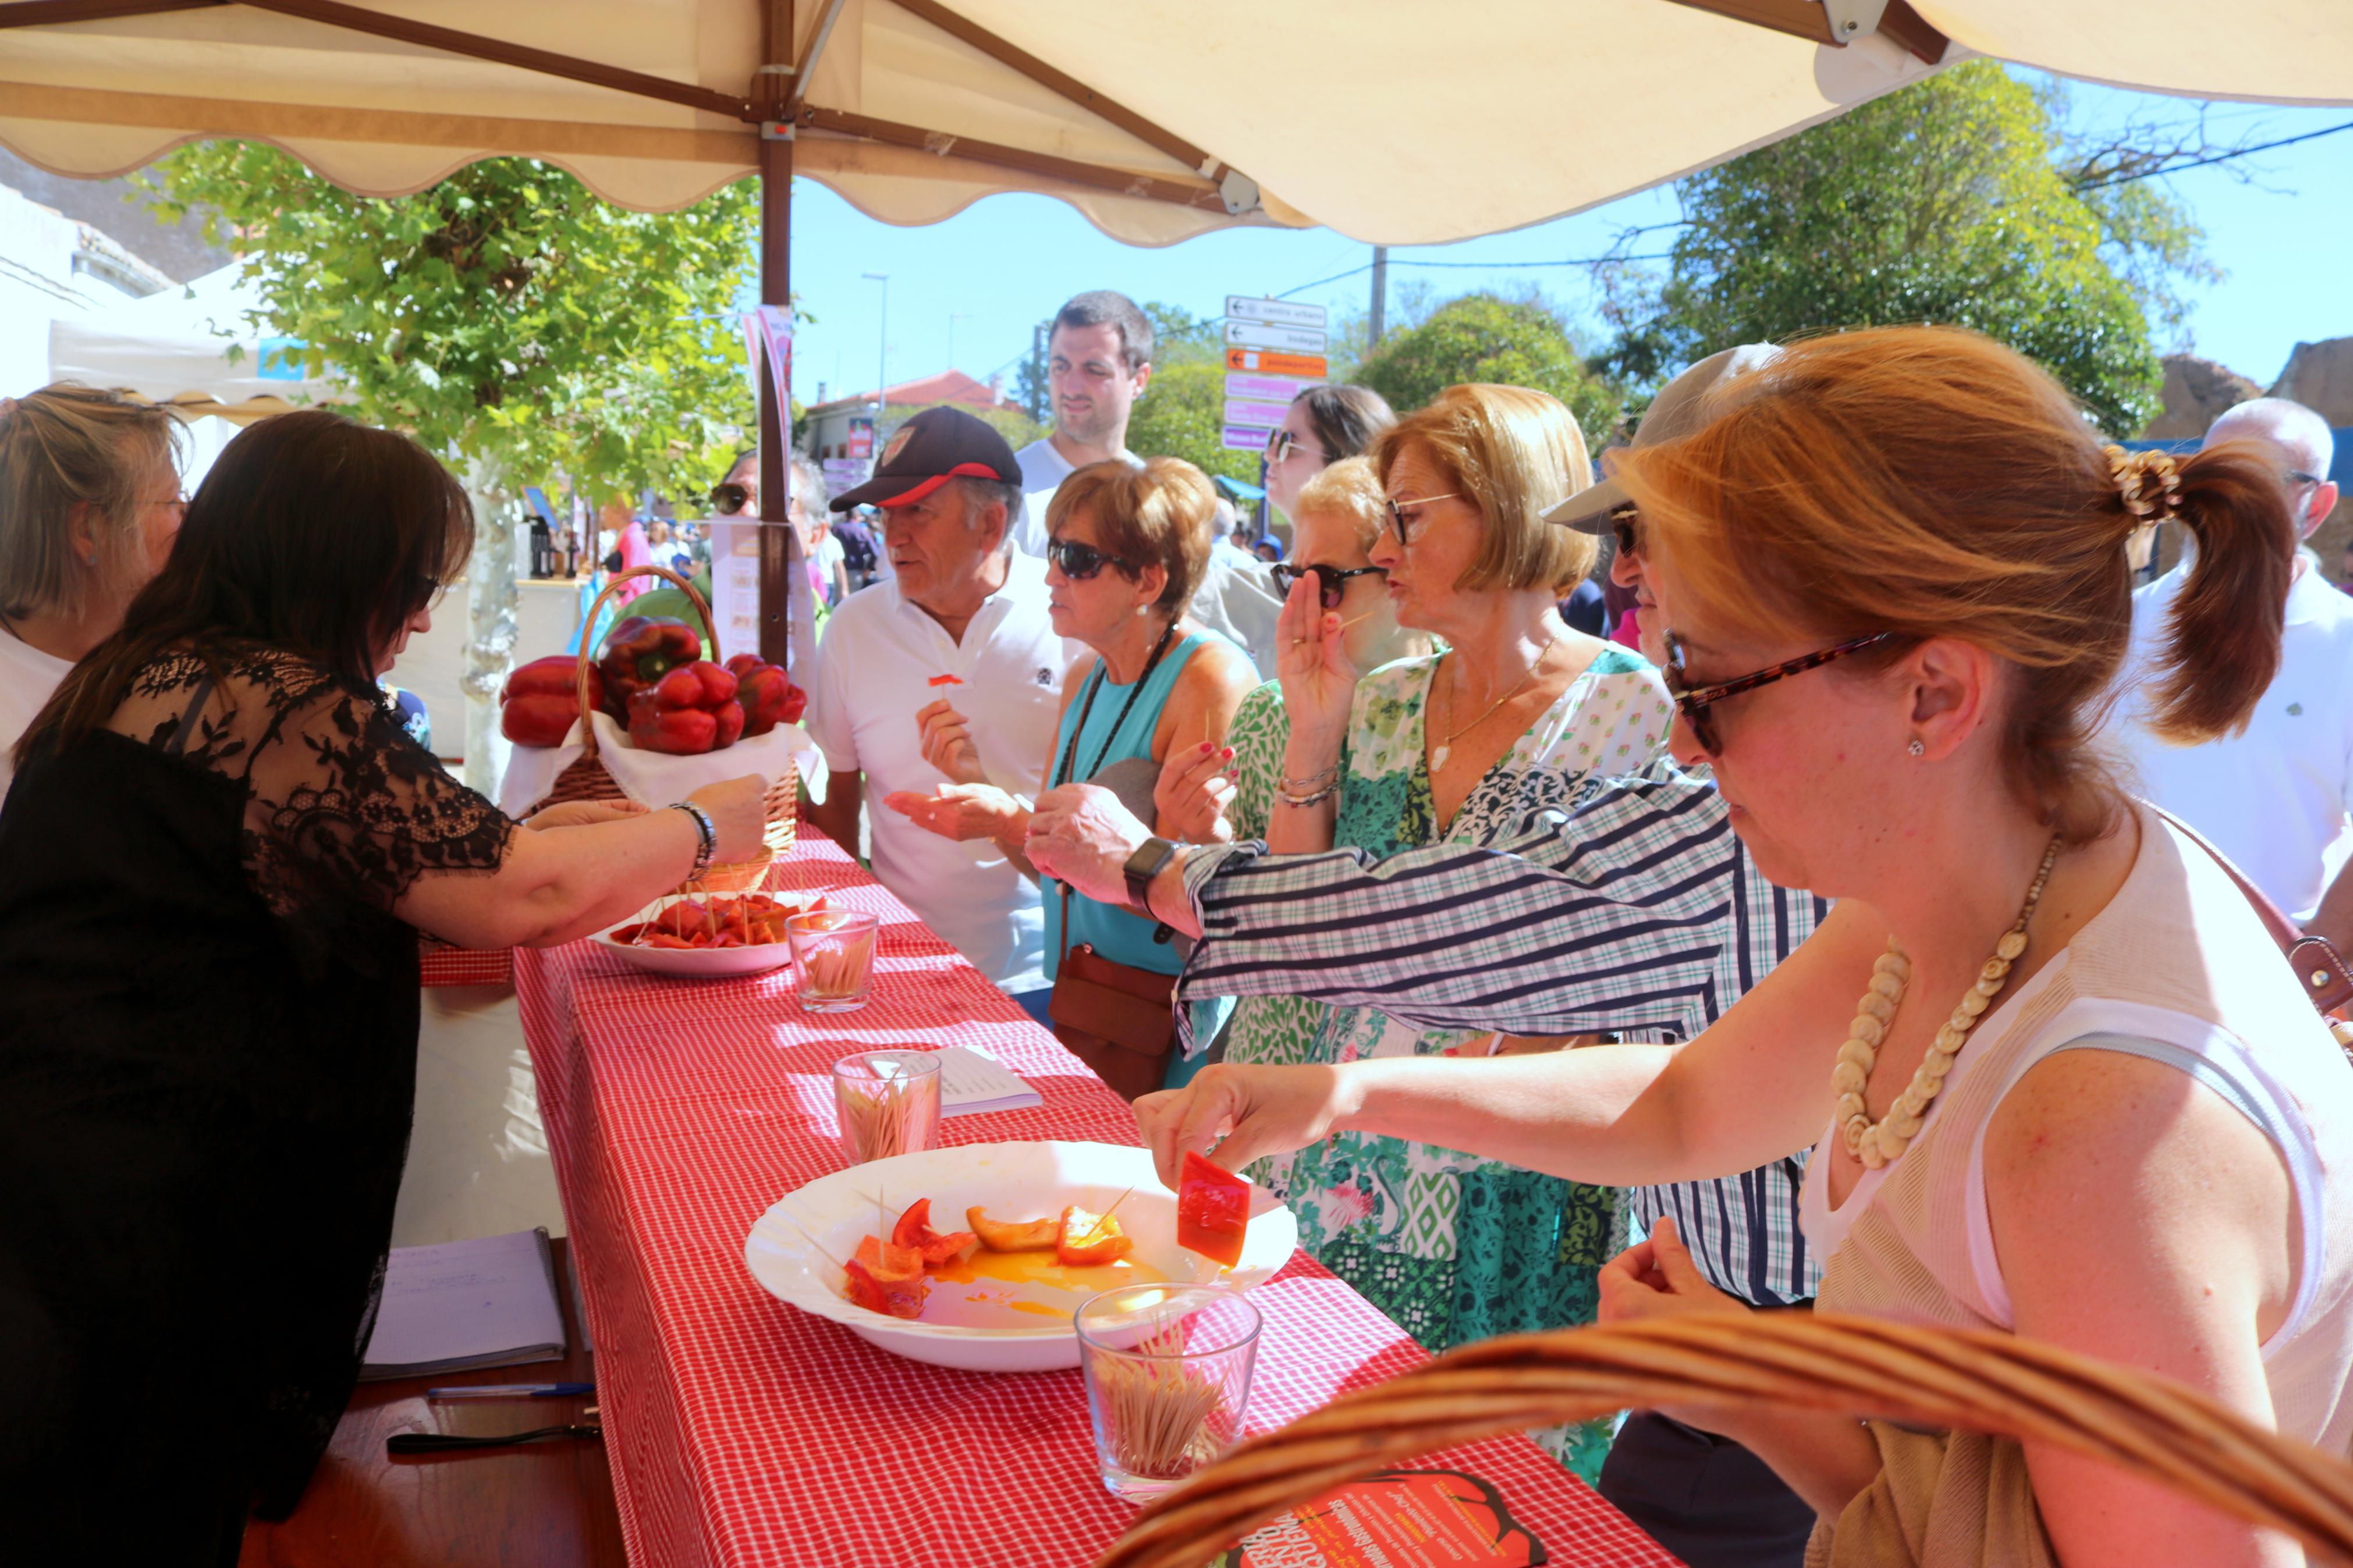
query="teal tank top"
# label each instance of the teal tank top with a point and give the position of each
(1121, 937)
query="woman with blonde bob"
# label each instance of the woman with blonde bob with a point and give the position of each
(1457, 748)
(2081, 1099)
(89, 502)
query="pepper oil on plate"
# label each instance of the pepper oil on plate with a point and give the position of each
(999, 1290)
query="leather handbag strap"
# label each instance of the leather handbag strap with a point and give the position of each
(2327, 982)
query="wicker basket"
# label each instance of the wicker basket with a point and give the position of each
(1832, 1363)
(588, 778)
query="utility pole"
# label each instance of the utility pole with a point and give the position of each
(881, 356)
(1038, 374)
(1380, 297)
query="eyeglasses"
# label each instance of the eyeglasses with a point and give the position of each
(2298, 478)
(729, 499)
(1692, 702)
(1079, 562)
(1281, 444)
(1397, 518)
(1331, 581)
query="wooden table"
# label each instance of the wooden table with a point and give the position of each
(542, 1503)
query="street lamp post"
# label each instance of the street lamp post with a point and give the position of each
(882, 351)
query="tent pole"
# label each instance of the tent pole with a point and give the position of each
(775, 288)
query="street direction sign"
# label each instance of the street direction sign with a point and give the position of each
(1245, 438)
(1272, 388)
(1314, 366)
(1291, 340)
(1244, 411)
(1273, 313)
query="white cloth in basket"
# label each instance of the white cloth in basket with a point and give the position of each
(651, 778)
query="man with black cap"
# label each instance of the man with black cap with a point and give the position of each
(955, 645)
(1558, 937)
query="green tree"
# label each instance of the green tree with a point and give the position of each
(1182, 415)
(510, 321)
(1948, 201)
(1484, 337)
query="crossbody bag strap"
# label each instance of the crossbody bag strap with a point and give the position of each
(2319, 969)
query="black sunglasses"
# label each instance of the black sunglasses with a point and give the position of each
(729, 499)
(1630, 538)
(1330, 581)
(1080, 561)
(1692, 702)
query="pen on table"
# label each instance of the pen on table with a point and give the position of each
(511, 1391)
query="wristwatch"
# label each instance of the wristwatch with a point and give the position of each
(1149, 861)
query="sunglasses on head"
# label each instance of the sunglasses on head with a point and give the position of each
(1330, 581)
(1692, 703)
(1281, 444)
(1080, 561)
(729, 499)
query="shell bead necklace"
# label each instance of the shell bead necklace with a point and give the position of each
(1883, 1142)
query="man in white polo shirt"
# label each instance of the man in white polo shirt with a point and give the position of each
(961, 617)
(2274, 798)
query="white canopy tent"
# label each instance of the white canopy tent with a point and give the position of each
(189, 348)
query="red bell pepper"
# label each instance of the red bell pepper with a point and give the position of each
(638, 651)
(541, 701)
(768, 696)
(914, 1229)
(1212, 1211)
(887, 1278)
(689, 711)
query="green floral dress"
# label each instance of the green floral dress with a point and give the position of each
(1451, 1246)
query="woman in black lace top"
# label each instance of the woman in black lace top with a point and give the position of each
(214, 865)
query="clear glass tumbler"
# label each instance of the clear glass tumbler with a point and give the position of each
(833, 959)
(1169, 1380)
(886, 1103)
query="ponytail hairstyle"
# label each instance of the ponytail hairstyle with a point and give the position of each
(69, 447)
(1930, 482)
(313, 534)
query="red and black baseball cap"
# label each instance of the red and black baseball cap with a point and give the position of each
(926, 452)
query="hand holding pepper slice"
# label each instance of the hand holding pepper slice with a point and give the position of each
(1212, 1210)
(541, 701)
(768, 696)
(689, 711)
(640, 650)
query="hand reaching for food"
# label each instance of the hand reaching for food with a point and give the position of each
(962, 811)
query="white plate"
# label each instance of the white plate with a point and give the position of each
(792, 1247)
(698, 962)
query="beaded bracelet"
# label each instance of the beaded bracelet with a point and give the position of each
(706, 834)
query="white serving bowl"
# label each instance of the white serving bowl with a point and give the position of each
(697, 963)
(792, 1247)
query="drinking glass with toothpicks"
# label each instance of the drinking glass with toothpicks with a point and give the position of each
(887, 1102)
(1169, 1380)
(833, 959)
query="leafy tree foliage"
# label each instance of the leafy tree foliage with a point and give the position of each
(1951, 202)
(506, 316)
(1483, 337)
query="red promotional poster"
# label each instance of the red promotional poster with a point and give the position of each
(1398, 1519)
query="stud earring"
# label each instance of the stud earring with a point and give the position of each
(1918, 747)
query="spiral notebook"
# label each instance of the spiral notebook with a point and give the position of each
(465, 1304)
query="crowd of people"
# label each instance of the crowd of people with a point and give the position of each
(1503, 865)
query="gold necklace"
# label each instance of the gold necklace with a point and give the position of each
(1883, 1142)
(1445, 747)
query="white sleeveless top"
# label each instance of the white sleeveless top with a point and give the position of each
(2176, 969)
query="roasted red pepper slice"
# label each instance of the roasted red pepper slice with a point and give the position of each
(1212, 1211)
(945, 680)
(887, 1278)
(914, 1230)
(1089, 1239)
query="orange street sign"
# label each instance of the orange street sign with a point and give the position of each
(1266, 361)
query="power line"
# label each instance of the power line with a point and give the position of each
(1491, 266)
(2218, 158)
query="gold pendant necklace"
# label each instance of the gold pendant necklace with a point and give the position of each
(1445, 747)
(1883, 1142)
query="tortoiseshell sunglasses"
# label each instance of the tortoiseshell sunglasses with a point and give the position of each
(1692, 702)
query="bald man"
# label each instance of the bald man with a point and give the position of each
(2275, 798)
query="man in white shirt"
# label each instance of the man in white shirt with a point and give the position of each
(2274, 798)
(1099, 360)
(963, 611)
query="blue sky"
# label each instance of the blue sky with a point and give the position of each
(2284, 240)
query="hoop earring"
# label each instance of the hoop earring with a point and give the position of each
(1918, 747)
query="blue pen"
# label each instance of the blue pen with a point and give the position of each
(513, 1391)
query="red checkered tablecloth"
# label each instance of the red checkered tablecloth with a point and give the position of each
(744, 1432)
